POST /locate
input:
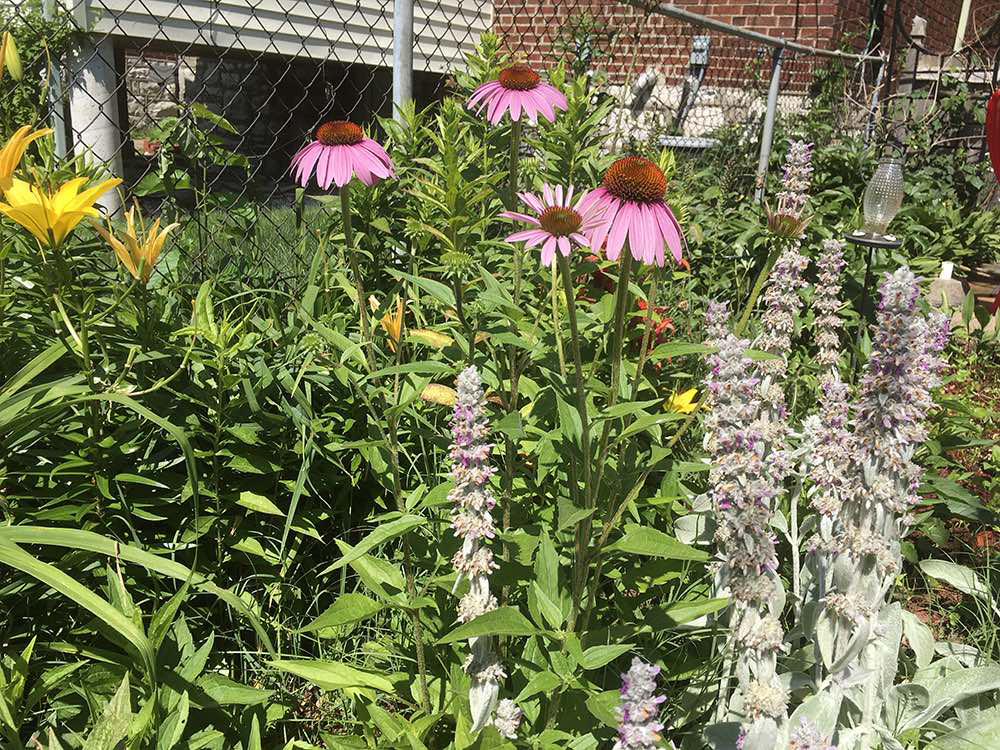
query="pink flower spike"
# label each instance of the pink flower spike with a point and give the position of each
(339, 153)
(558, 224)
(632, 196)
(517, 91)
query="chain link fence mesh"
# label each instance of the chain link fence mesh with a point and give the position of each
(239, 83)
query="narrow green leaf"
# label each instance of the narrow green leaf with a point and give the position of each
(347, 609)
(380, 535)
(642, 540)
(596, 657)
(501, 621)
(332, 675)
(113, 725)
(258, 503)
(88, 540)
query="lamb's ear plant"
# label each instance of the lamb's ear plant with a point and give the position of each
(833, 678)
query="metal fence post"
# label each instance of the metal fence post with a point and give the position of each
(56, 104)
(402, 55)
(768, 134)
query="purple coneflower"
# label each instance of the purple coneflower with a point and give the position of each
(559, 223)
(632, 197)
(340, 152)
(519, 90)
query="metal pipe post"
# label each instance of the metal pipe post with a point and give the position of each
(768, 135)
(402, 55)
(56, 105)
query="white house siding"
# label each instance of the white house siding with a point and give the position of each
(445, 30)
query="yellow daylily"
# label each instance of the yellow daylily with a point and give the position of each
(139, 248)
(10, 58)
(392, 323)
(52, 217)
(13, 151)
(683, 403)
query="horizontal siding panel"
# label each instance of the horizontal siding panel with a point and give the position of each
(445, 31)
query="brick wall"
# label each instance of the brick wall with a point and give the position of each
(543, 31)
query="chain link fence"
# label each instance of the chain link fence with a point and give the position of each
(207, 100)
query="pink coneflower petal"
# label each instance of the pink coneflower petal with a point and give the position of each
(515, 108)
(530, 237)
(532, 201)
(580, 239)
(564, 246)
(619, 231)
(549, 251)
(520, 217)
(549, 196)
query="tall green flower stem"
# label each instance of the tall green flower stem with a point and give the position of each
(515, 154)
(470, 330)
(758, 286)
(615, 357)
(583, 527)
(510, 450)
(359, 284)
(411, 586)
(654, 285)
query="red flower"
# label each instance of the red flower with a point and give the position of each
(993, 131)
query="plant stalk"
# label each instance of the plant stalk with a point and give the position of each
(359, 284)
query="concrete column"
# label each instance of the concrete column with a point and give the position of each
(94, 116)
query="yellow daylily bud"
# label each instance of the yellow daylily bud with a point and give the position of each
(139, 249)
(13, 151)
(11, 58)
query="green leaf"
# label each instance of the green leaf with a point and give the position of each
(163, 618)
(541, 682)
(15, 557)
(222, 691)
(259, 503)
(596, 657)
(113, 725)
(549, 609)
(679, 613)
(347, 609)
(511, 426)
(441, 292)
(642, 540)
(646, 421)
(678, 349)
(172, 728)
(960, 577)
(332, 675)
(603, 705)
(501, 621)
(380, 535)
